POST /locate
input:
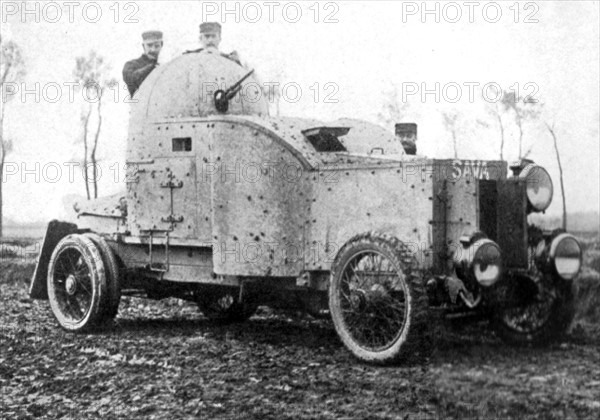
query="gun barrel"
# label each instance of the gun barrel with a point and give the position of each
(230, 93)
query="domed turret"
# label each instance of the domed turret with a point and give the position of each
(185, 88)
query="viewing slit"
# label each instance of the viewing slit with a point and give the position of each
(182, 144)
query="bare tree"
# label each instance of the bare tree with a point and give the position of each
(12, 69)
(552, 132)
(497, 110)
(91, 75)
(522, 110)
(451, 123)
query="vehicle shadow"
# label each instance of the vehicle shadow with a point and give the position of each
(276, 330)
(471, 343)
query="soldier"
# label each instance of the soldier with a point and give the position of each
(407, 134)
(136, 71)
(210, 38)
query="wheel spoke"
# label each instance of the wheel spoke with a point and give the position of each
(61, 271)
(74, 308)
(86, 287)
(373, 310)
(72, 264)
(358, 279)
(73, 285)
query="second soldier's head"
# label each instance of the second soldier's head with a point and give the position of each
(210, 35)
(152, 43)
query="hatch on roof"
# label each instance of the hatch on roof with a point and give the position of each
(325, 139)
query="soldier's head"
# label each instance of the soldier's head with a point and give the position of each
(210, 34)
(152, 43)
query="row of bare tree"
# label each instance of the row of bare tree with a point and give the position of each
(510, 109)
(12, 69)
(90, 74)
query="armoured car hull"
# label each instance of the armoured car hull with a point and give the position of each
(232, 209)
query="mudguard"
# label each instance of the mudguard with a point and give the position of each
(54, 233)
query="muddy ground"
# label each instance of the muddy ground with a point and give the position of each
(163, 359)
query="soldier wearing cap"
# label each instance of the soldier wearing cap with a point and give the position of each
(210, 38)
(136, 71)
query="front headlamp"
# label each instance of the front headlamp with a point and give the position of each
(565, 256)
(483, 260)
(538, 186)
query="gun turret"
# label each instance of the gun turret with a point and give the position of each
(222, 97)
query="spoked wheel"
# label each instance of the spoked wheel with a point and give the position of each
(540, 315)
(377, 300)
(113, 279)
(223, 305)
(77, 283)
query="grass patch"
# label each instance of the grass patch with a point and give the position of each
(19, 241)
(588, 295)
(16, 272)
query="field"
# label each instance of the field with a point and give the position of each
(163, 359)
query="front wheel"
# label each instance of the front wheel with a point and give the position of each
(378, 301)
(537, 310)
(113, 277)
(77, 287)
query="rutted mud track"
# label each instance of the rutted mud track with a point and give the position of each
(164, 360)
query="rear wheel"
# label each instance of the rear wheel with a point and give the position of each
(535, 310)
(77, 288)
(377, 300)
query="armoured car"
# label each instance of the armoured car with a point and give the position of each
(232, 208)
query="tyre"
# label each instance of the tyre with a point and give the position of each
(544, 316)
(378, 302)
(77, 284)
(113, 279)
(223, 305)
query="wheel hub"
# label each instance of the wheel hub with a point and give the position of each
(378, 292)
(71, 285)
(226, 302)
(357, 299)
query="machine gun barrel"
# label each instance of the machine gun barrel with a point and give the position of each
(222, 97)
(231, 92)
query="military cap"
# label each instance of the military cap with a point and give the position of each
(210, 28)
(152, 35)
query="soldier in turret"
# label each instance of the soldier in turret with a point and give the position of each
(210, 38)
(136, 71)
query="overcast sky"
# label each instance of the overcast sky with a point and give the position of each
(363, 50)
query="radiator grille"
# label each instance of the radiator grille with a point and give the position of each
(503, 217)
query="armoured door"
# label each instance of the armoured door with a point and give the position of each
(162, 194)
